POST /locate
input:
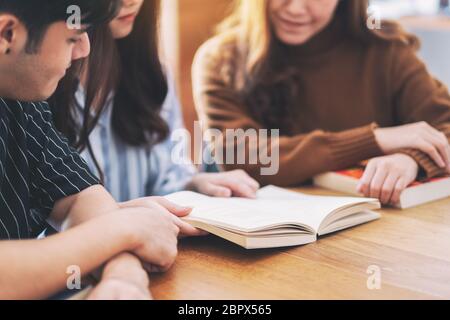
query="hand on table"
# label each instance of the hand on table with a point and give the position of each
(386, 177)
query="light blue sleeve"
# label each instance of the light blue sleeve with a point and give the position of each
(170, 174)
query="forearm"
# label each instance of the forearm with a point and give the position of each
(36, 269)
(303, 156)
(120, 282)
(92, 204)
(128, 267)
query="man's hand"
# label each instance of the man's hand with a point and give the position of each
(386, 177)
(150, 233)
(225, 184)
(186, 230)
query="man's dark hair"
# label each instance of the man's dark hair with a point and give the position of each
(38, 15)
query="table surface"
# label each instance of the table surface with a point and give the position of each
(411, 248)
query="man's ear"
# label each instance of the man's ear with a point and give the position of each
(9, 31)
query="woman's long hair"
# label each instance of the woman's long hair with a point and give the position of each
(268, 92)
(250, 20)
(130, 68)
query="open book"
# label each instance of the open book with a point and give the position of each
(419, 192)
(277, 218)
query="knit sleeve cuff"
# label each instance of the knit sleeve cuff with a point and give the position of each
(355, 144)
(427, 164)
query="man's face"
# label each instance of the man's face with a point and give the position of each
(36, 75)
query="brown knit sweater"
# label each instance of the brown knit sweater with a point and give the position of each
(348, 89)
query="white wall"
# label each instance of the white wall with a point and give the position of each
(436, 52)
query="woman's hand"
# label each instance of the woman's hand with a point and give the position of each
(386, 177)
(225, 184)
(420, 136)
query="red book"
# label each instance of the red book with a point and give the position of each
(419, 192)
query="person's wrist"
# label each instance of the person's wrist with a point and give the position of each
(412, 163)
(122, 226)
(407, 157)
(126, 267)
(121, 283)
(379, 138)
(192, 185)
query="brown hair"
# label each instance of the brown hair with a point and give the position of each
(269, 89)
(250, 20)
(63, 102)
(130, 68)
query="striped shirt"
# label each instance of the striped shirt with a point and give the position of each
(133, 172)
(37, 168)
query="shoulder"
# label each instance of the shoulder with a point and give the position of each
(396, 61)
(394, 47)
(219, 55)
(219, 46)
(388, 56)
(394, 43)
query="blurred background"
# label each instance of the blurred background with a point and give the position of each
(188, 23)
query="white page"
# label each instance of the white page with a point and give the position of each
(274, 206)
(309, 208)
(236, 213)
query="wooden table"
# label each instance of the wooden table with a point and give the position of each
(411, 248)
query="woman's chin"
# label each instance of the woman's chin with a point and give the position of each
(122, 33)
(294, 40)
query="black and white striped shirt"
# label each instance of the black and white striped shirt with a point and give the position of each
(37, 168)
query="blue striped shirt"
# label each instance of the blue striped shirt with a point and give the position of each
(133, 172)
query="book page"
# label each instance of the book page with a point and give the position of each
(273, 207)
(312, 209)
(245, 215)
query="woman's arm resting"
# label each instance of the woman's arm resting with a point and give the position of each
(294, 159)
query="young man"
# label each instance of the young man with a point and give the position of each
(42, 179)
